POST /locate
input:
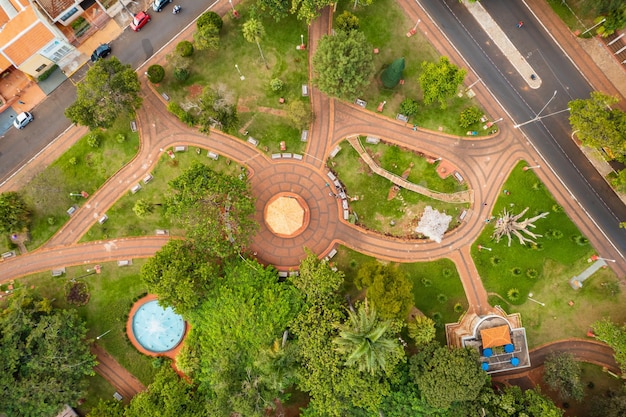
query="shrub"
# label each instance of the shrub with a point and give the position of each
(442, 298)
(182, 115)
(347, 22)
(93, 140)
(532, 273)
(76, 24)
(537, 186)
(120, 138)
(181, 74)
(495, 260)
(184, 48)
(437, 317)
(469, 116)
(276, 84)
(580, 240)
(210, 19)
(513, 294)
(537, 246)
(557, 208)
(77, 292)
(156, 73)
(47, 73)
(426, 282)
(516, 271)
(409, 107)
(458, 308)
(554, 234)
(353, 263)
(72, 160)
(446, 272)
(51, 220)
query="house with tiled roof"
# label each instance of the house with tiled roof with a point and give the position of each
(29, 41)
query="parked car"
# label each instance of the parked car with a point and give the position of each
(22, 120)
(157, 5)
(139, 21)
(101, 51)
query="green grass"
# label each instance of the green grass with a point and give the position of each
(112, 295)
(395, 159)
(48, 194)
(373, 209)
(554, 262)
(392, 42)
(217, 69)
(124, 222)
(430, 281)
(99, 388)
(573, 16)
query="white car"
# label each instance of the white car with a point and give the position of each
(22, 120)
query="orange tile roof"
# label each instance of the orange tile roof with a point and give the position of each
(16, 25)
(4, 18)
(55, 7)
(495, 336)
(28, 44)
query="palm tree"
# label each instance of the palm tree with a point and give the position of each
(253, 31)
(363, 339)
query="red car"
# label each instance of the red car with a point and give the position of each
(139, 21)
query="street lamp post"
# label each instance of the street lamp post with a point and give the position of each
(103, 334)
(597, 258)
(597, 24)
(481, 247)
(532, 167)
(241, 77)
(530, 297)
(537, 117)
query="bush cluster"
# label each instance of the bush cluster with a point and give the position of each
(183, 115)
(156, 73)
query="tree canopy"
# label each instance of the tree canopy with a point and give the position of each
(597, 125)
(44, 357)
(109, 89)
(216, 209)
(393, 73)
(562, 374)
(14, 213)
(180, 275)
(388, 289)
(243, 314)
(439, 81)
(614, 336)
(207, 34)
(447, 375)
(343, 64)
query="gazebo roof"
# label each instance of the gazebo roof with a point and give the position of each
(495, 336)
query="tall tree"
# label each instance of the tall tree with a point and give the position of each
(597, 125)
(108, 408)
(614, 336)
(393, 73)
(562, 373)
(278, 9)
(447, 375)
(217, 109)
(180, 274)
(14, 213)
(422, 330)
(388, 289)
(168, 396)
(364, 340)
(343, 64)
(109, 89)
(308, 10)
(216, 209)
(44, 357)
(440, 81)
(243, 314)
(253, 32)
(207, 34)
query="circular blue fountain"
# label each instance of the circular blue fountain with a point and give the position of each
(157, 329)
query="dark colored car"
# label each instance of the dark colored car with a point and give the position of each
(101, 51)
(157, 5)
(139, 21)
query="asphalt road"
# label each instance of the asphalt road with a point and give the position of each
(134, 48)
(551, 136)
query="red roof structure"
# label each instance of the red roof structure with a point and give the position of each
(495, 336)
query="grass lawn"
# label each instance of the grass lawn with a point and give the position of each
(48, 194)
(99, 388)
(112, 294)
(545, 268)
(253, 95)
(573, 15)
(373, 209)
(437, 287)
(122, 219)
(392, 43)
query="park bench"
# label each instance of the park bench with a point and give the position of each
(147, 178)
(283, 274)
(133, 125)
(253, 141)
(360, 103)
(286, 155)
(305, 90)
(165, 96)
(462, 215)
(118, 396)
(125, 262)
(9, 254)
(276, 156)
(402, 117)
(331, 176)
(103, 219)
(212, 155)
(335, 151)
(344, 204)
(181, 148)
(332, 253)
(458, 177)
(71, 210)
(58, 272)
(297, 156)
(304, 136)
(135, 188)
(346, 214)
(372, 140)
(162, 232)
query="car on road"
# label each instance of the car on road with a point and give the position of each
(22, 120)
(139, 21)
(157, 5)
(101, 51)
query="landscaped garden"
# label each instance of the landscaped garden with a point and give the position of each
(143, 212)
(370, 192)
